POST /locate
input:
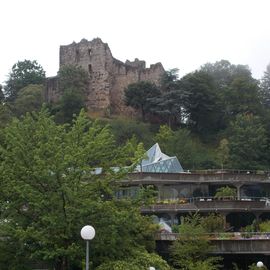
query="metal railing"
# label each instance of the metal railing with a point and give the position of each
(215, 236)
(211, 199)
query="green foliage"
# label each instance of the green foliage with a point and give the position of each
(5, 114)
(49, 192)
(241, 97)
(265, 88)
(136, 261)
(125, 129)
(248, 143)
(74, 78)
(147, 195)
(225, 192)
(264, 226)
(73, 84)
(213, 223)
(30, 98)
(191, 153)
(22, 74)
(223, 152)
(191, 249)
(169, 80)
(254, 267)
(248, 230)
(137, 95)
(237, 91)
(2, 96)
(202, 103)
(169, 106)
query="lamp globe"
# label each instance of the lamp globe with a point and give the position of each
(88, 232)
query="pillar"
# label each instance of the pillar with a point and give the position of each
(238, 188)
(224, 215)
(172, 216)
(159, 188)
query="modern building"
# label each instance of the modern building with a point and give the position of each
(181, 193)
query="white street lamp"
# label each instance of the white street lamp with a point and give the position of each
(152, 268)
(260, 264)
(87, 233)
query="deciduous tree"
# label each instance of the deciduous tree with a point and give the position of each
(49, 191)
(248, 143)
(22, 74)
(138, 95)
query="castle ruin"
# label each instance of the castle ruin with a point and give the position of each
(108, 77)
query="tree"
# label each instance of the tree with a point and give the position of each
(189, 150)
(265, 88)
(248, 143)
(2, 96)
(73, 86)
(5, 114)
(49, 191)
(22, 74)
(223, 152)
(169, 80)
(74, 78)
(202, 103)
(223, 73)
(190, 250)
(213, 223)
(137, 261)
(169, 106)
(226, 192)
(242, 96)
(137, 95)
(29, 98)
(237, 90)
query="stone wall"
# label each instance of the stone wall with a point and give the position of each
(108, 77)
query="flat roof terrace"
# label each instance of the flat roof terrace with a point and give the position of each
(207, 176)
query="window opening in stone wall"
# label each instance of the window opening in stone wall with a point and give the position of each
(89, 52)
(77, 56)
(90, 69)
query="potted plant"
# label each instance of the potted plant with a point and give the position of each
(224, 193)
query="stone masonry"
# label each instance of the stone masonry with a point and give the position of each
(108, 77)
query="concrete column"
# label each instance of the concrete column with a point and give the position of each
(172, 216)
(257, 216)
(238, 188)
(159, 188)
(224, 215)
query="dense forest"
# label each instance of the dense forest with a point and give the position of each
(215, 117)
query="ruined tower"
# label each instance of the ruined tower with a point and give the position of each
(108, 77)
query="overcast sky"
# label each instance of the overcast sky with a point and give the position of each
(182, 34)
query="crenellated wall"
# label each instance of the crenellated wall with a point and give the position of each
(108, 77)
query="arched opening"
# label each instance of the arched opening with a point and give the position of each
(239, 220)
(264, 217)
(255, 191)
(163, 218)
(213, 189)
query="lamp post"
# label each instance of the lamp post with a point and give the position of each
(260, 264)
(87, 233)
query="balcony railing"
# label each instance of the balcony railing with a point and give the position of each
(209, 203)
(215, 236)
